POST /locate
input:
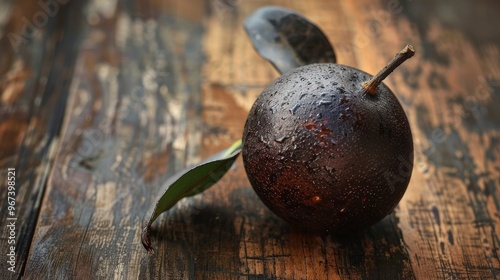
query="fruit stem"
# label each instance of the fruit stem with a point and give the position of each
(371, 85)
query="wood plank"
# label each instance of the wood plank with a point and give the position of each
(158, 85)
(133, 119)
(34, 80)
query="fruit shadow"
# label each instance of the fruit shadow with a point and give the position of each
(376, 250)
(240, 230)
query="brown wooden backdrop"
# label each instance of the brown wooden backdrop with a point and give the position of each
(101, 101)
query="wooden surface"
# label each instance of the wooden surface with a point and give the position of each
(105, 100)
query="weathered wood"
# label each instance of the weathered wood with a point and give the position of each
(158, 85)
(134, 119)
(35, 71)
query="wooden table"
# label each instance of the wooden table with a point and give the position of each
(101, 101)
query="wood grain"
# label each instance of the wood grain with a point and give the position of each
(110, 98)
(34, 81)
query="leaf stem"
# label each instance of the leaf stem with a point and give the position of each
(146, 241)
(370, 86)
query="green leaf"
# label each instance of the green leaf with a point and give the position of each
(287, 39)
(189, 182)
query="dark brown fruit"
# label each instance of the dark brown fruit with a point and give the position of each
(326, 151)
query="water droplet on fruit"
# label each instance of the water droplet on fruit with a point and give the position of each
(330, 169)
(294, 109)
(281, 139)
(324, 102)
(261, 138)
(344, 100)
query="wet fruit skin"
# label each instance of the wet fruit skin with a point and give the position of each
(323, 154)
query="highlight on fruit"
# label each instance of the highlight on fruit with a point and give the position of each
(326, 147)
